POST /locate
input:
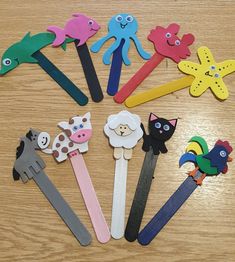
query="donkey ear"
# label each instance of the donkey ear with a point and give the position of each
(152, 117)
(63, 125)
(173, 122)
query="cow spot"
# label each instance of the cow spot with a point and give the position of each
(84, 119)
(71, 121)
(55, 153)
(71, 144)
(64, 150)
(57, 145)
(68, 132)
(61, 137)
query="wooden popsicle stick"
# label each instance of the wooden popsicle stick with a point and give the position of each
(138, 78)
(119, 198)
(159, 91)
(89, 196)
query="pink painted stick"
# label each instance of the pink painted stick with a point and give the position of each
(89, 196)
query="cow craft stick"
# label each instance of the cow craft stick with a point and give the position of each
(160, 131)
(72, 143)
(207, 163)
(167, 45)
(123, 27)
(29, 165)
(28, 51)
(206, 75)
(81, 28)
(124, 131)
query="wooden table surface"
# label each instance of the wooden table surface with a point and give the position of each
(30, 229)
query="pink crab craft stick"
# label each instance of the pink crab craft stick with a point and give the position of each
(167, 45)
(80, 28)
(72, 142)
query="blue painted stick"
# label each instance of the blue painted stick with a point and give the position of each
(115, 70)
(167, 211)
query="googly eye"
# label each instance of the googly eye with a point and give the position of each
(6, 61)
(168, 35)
(217, 75)
(222, 153)
(177, 42)
(118, 18)
(81, 125)
(158, 125)
(212, 67)
(90, 22)
(129, 18)
(75, 128)
(166, 127)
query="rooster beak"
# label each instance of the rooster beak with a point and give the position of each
(229, 159)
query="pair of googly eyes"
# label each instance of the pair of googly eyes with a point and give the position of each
(213, 67)
(128, 19)
(90, 22)
(6, 61)
(168, 35)
(165, 127)
(223, 153)
(75, 128)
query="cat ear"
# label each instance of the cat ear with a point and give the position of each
(173, 122)
(152, 117)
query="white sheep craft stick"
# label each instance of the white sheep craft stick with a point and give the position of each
(124, 131)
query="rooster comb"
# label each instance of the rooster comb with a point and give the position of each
(225, 144)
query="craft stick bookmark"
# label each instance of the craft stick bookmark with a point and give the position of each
(160, 130)
(122, 27)
(29, 165)
(72, 142)
(28, 51)
(206, 75)
(80, 28)
(167, 45)
(207, 163)
(124, 131)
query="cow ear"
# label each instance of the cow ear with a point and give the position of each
(87, 116)
(63, 125)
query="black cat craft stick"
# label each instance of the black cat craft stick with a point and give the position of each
(160, 130)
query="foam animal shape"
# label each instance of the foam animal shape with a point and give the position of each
(76, 133)
(168, 44)
(124, 131)
(208, 74)
(209, 163)
(121, 26)
(80, 27)
(160, 130)
(28, 162)
(22, 51)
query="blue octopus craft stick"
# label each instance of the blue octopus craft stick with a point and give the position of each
(123, 28)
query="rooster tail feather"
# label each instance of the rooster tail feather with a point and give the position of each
(197, 145)
(187, 157)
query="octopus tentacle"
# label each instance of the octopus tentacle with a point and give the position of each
(97, 45)
(107, 55)
(139, 47)
(125, 49)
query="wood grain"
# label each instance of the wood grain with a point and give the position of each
(30, 230)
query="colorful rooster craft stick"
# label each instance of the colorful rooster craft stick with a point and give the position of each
(124, 131)
(207, 75)
(29, 165)
(160, 131)
(28, 51)
(167, 45)
(72, 142)
(207, 163)
(80, 28)
(123, 27)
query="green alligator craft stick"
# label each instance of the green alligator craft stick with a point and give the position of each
(28, 51)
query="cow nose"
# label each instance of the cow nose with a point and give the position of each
(81, 135)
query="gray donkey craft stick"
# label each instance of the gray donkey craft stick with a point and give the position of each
(29, 165)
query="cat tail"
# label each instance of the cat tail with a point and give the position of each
(143, 129)
(187, 157)
(197, 145)
(59, 35)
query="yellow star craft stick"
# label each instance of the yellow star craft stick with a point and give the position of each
(207, 74)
